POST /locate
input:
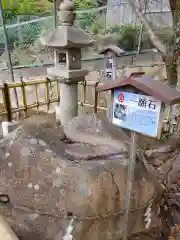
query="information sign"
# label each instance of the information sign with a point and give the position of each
(136, 112)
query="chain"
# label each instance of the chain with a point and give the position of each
(4, 199)
(61, 216)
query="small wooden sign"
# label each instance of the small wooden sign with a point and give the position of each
(110, 71)
(137, 103)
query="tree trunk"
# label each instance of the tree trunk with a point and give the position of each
(175, 7)
(177, 48)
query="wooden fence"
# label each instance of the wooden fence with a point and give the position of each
(51, 95)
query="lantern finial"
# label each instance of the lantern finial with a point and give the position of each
(66, 12)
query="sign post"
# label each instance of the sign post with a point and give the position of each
(130, 179)
(138, 104)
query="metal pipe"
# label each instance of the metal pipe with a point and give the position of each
(7, 50)
(55, 24)
(139, 40)
(55, 13)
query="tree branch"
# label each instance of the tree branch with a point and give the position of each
(155, 40)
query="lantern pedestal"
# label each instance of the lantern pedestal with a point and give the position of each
(69, 102)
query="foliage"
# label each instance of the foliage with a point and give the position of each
(85, 4)
(115, 28)
(127, 35)
(101, 2)
(166, 35)
(30, 33)
(16, 7)
(98, 28)
(85, 21)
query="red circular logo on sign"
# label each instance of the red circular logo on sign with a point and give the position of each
(121, 98)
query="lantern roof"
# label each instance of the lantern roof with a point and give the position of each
(66, 37)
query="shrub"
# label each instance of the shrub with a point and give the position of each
(127, 34)
(98, 28)
(85, 21)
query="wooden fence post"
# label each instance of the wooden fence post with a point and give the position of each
(7, 101)
(96, 99)
(24, 97)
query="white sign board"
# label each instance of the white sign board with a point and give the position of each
(136, 112)
(110, 71)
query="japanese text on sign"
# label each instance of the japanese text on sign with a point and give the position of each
(143, 102)
(136, 112)
(110, 68)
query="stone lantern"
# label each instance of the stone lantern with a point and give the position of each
(67, 41)
(110, 52)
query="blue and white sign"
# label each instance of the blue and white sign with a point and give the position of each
(136, 112)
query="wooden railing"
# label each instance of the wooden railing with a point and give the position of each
(42, 93)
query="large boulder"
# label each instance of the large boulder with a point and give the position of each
(51, 178)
